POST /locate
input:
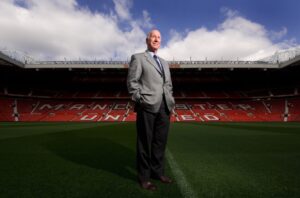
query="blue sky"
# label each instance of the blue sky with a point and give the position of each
(273, 14)
(114, 29)
(192, 14)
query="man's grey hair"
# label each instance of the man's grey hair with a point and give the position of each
(149, 33)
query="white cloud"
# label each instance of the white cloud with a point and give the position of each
(235, 38)
(147, 23)
(54, 29)
(279, 34)
(122, 8)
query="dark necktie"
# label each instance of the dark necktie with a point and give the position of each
(160, 66)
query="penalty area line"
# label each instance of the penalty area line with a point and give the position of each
(185, 188)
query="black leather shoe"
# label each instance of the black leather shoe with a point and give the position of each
(147, 185)
(165, 179)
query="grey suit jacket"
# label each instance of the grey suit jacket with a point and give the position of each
(146, 84)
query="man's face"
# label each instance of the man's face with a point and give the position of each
(153, 41)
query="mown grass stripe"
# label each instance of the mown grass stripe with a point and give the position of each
(185, 188)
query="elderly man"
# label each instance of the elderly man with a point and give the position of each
(150, 86)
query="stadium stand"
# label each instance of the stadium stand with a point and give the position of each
(294, 110)
(214, 94)
(25, 109)
(6, 109)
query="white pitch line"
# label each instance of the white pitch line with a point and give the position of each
(185, 188)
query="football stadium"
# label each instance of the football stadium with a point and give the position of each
(68, 129)
(95, 91)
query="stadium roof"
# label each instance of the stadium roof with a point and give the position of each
(6, 60)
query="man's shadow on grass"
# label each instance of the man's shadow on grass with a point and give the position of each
(95, 152)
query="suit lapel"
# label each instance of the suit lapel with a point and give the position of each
(152, 62)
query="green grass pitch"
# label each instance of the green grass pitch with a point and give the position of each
(98, 160)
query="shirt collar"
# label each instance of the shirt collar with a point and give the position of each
(151, 53)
